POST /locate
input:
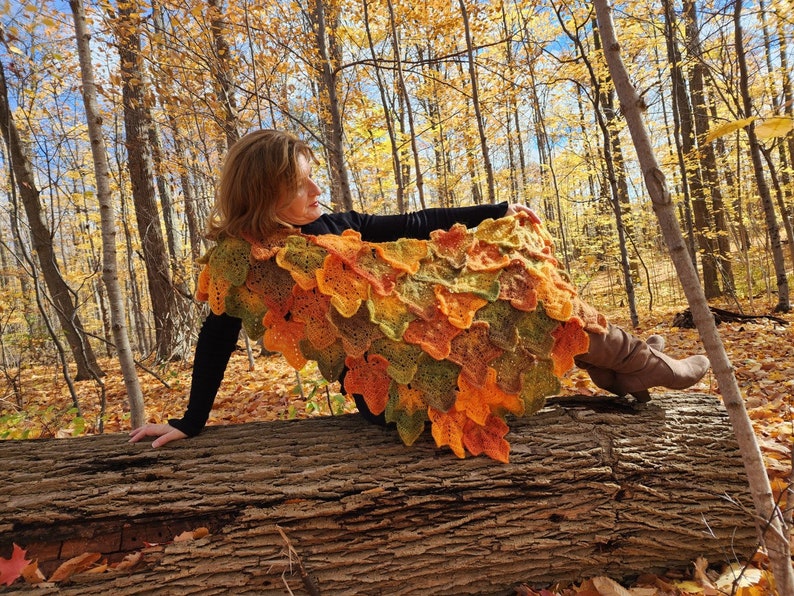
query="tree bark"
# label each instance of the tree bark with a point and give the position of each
(594, 487)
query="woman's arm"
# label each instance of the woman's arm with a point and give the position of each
(216, 342)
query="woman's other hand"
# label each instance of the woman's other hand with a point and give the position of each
(165, 433)
(515, 208)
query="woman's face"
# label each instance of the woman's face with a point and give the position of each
(302, 208)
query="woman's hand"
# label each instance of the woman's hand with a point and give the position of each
(515, 208)
(165, 433)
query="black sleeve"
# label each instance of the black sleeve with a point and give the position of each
(216, 342)
(419, 224)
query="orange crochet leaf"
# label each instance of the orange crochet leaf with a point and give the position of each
(285, 337)
(473, 351)
(570, 339)
(434, 336)
(479, 402)
(345, 246)
(488, 439)
(203, 285)
(451, 245)
(555, 293)
(218, 288)
(403, 254)
(311, 307)
(263, 249)
(390, 314)
(302, 259)
(483, 256)
(447, 429)
(357, 332)
(345, 287)
(409, 399)
(459, 308)
(367, 377)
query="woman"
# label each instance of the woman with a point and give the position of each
(266, 186)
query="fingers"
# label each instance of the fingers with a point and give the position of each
(165, 433)
(516, 208)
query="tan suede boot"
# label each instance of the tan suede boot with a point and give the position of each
(623, 364)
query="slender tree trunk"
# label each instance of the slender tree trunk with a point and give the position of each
(222, 73)
(709, 158)
(139, 160)
(395, 152)
(341, 197)
(774, 532)
(41, 237)
(783, 304)
(475, 100)
(690, 170)
(408, 109)
(107, 214)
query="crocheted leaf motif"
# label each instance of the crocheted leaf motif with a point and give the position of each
(460, 330)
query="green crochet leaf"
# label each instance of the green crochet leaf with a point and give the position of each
(539, 382)
(230, 259)
(402, 358)
(330, 360)
(438, 380)
(248, 306)
(534, 330)
(409, 424)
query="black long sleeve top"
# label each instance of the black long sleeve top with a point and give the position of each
(218, 335)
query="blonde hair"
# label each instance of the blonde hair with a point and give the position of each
(260, 169)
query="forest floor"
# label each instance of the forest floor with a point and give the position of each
(38, 404)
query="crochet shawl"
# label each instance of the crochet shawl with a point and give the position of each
(459, 330)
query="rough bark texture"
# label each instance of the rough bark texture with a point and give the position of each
(593, 487)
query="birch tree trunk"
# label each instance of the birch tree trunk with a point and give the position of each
(773, 530)
(108, 218)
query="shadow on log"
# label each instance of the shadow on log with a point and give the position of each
(594, 487)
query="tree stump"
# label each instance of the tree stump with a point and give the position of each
(595, 486)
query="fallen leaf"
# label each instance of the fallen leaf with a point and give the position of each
(609, 587)
(74, 565)
(11, 569)
(128, 562)
(33, 574)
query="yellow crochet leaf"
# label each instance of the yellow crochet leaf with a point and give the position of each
(503, 232)
(434, 336)
(217, 290)
(311, 307)
(302, 260)
(390, 314)
(438, 382)
(555, 293)
(451, 245)
(403, 254)
(459, 308)
(539, 381)
(285, 337)
(570, 339)
(487, 439)
(230, 260)
(367, 377)
(447, 429)
(473, 351)
(248, 306)
(345, 287)
(417, 295)
(402, 358)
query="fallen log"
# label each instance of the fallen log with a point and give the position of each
(594, 487)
